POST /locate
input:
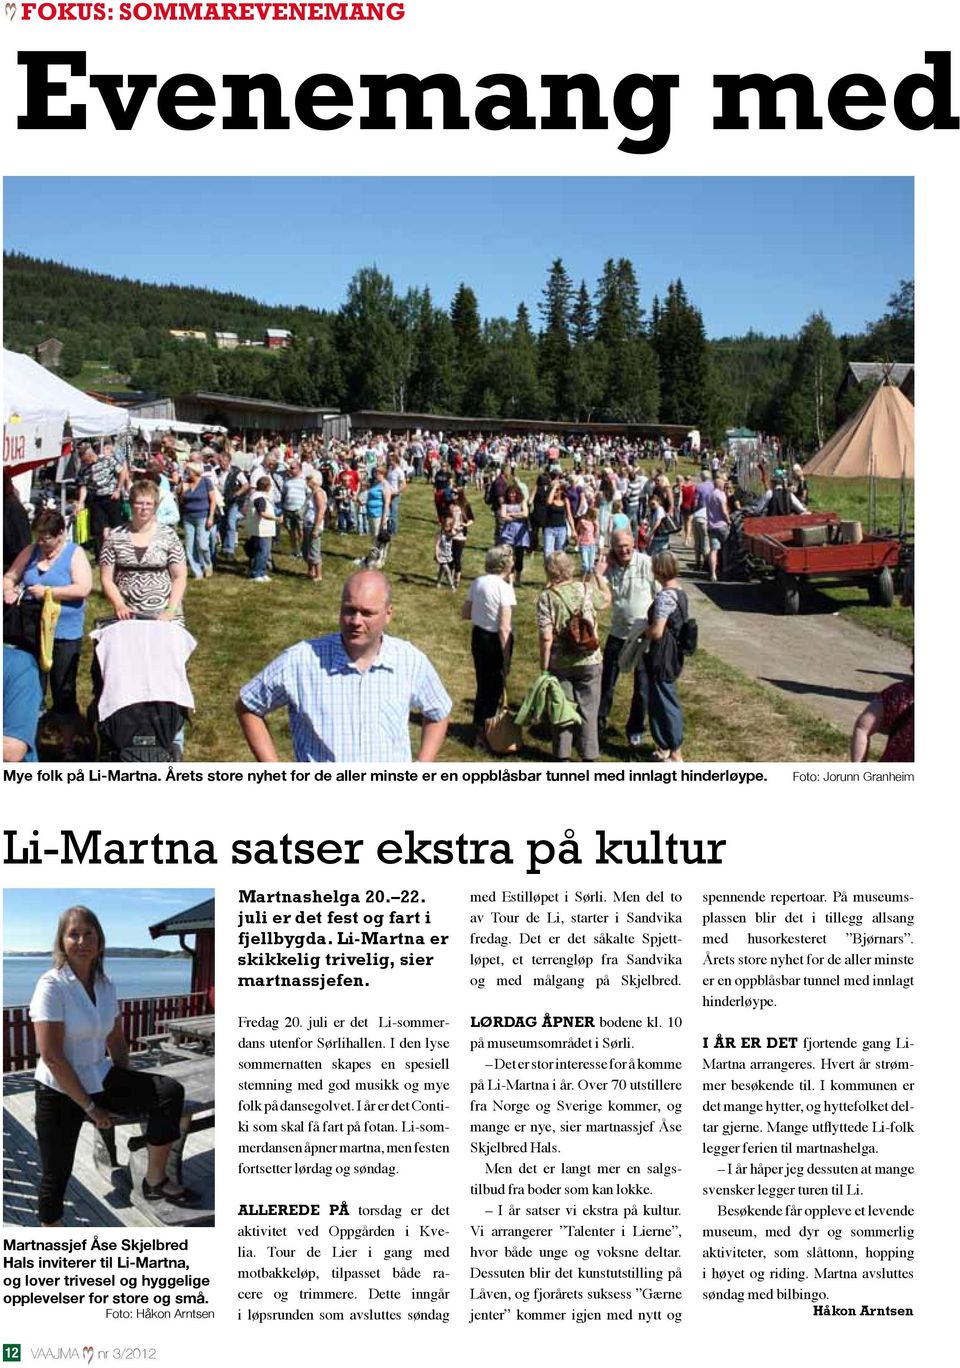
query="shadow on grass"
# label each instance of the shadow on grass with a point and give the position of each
(898, 675)
(736, 596)
(814, 598)
(795, 686)
(462, 732)
(623, 753)
(882, 677)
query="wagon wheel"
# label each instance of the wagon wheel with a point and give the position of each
(881, 589)
(788, 593)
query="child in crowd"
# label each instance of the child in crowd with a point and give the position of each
(261, 529)
(587, 526)
(344, 504)
(443, 552)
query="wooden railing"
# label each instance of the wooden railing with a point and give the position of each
(140, 1017)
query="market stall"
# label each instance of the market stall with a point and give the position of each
(37, 405)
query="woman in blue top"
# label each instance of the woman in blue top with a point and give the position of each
(378, 502)
(55, 563)
(198, 506)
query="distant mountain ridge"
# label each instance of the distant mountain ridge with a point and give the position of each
(46, 297)
(119, 952)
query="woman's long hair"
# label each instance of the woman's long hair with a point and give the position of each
(60, 954)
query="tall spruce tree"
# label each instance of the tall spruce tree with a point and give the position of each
(71, 358)
(432, 383)
(630, 387)
(719, 410)
(890, 338)
(405, 313)
(629, 290)
(586, 359)
(368, 341)
(554, 368)
(494, 382)
(324, 366)
(296, 380)
(581, 317)
(681, 346)
(468, 349)
(524, 399)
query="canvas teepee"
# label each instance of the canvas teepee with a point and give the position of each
(876, 441)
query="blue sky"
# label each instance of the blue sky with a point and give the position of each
(30, 914)
(762, 252)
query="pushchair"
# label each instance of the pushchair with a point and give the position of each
(141, 695)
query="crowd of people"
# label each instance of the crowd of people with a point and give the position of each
(602, 513)
(590, 498)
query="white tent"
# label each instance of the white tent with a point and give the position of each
(149, 426)
(37, 403)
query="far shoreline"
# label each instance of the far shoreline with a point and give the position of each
(120, 952)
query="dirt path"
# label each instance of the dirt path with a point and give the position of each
(823, 663)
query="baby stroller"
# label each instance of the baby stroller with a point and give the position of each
(140, 690)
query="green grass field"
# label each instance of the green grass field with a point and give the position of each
(240, 626)
(850, 499)
(98, 376)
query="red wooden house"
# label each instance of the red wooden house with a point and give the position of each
(197, 921)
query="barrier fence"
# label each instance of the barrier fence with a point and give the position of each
(141, 1016)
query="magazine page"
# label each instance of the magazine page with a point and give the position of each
(460, 514)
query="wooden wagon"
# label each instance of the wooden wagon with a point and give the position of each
(798, 547)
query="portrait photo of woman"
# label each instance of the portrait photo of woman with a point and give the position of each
(83, 1071)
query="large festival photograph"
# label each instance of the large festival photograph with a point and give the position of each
(367, 471)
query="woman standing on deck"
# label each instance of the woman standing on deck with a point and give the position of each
(82, 1069)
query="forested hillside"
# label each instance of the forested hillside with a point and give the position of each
(579, 352)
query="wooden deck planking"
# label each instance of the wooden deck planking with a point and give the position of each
(91, 1200)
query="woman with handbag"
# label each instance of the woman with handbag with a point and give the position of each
(660, 526)
(489, 607)
(56, 564)
(379, 496)
(570, 649)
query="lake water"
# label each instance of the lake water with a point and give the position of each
(133, 977)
